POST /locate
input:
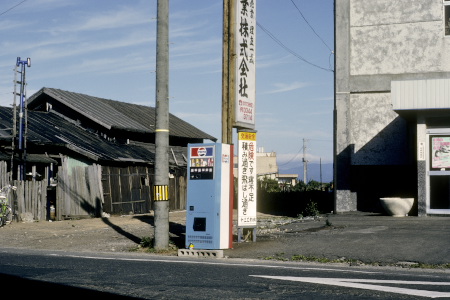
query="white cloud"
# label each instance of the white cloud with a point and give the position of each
(113, 19)
(287, 87)
(191, 48)
(11, 25)
(76, 47)
(196, 117)
(331, 98)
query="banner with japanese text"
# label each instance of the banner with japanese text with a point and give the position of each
(247, 179)
(245, 64)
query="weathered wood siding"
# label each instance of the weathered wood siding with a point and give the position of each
(4, 174)
(126, 190)
(91, 190)
(29, 198)
(129, 190)
(177, 192)
(79, 191)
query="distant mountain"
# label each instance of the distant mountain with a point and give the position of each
(313, 171)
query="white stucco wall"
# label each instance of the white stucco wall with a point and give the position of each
(395, 37)
(377, 42)
(376, 131)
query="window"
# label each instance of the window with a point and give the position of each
(447, 17)
(439, 152)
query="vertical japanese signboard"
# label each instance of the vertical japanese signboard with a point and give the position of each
(247, 179)
(245, 64)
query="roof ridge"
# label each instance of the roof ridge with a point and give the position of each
(100, 98)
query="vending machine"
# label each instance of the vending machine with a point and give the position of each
(209, 208)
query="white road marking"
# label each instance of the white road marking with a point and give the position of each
(370, 284)
(210, 262)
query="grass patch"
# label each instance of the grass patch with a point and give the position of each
(353, 262)
(146, 245)
(305, 258)
(277, 256)
(429, 266)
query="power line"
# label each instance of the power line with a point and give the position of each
(289, 50)
(11, 8)
(302, 149)
(310, 25)
(291, 158)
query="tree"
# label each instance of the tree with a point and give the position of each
(269, 185)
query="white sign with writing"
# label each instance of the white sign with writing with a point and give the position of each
(245, 64)
(247, 179)
(421, 152)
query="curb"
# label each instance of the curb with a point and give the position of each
(201, 253)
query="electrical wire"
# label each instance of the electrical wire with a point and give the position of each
(300, 150)
(288, 162)
(310, 25)
(289, 50)
(11, 8)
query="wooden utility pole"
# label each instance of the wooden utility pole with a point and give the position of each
(228, 70)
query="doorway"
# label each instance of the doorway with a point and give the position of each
(438, 171)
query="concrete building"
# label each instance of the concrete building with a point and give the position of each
(287, 180)
(392, 104)
(266, 164)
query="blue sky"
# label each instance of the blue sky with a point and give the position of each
(107, 48)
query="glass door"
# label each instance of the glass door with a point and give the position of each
(438, 191)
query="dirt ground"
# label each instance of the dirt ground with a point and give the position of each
(113, 234)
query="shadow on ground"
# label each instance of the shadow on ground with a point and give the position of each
(31, 288)
(176, 231)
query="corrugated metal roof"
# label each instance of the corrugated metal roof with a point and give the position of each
(119, 115)
(420, 94)
(47, 128)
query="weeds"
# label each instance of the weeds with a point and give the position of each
(311, 209)
(277, 256)
(146, 242)
(146, 245)
(353, 262)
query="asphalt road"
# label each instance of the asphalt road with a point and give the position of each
(60, 274)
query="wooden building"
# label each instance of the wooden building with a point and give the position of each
(95, 155)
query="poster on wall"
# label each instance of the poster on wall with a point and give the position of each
(247, 179)
(440, 152)
(245, 64)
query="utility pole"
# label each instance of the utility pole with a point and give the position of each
(321, 184)
(161, 185)
(23, 125)
(305, 164)
(228, 70)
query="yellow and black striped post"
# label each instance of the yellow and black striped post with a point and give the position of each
(161, 192)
